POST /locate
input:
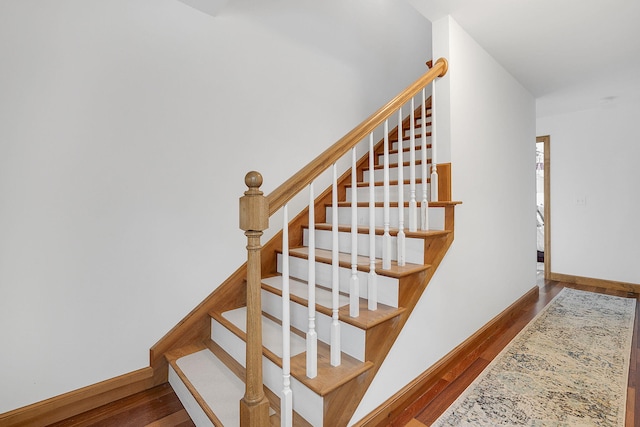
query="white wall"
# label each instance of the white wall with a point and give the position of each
(492, 260)
(594, 157)
(126, 129)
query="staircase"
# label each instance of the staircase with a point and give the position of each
(204, 357)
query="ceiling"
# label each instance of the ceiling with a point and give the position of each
(570, 54)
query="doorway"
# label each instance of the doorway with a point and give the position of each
(543, 155)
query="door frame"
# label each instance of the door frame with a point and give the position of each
(546, 140)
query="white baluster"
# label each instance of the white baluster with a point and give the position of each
(386, 237)
(424, 205)
(286, 401)
(434, 162)
(400, 238)
(354, 285)
(372, 287)
(312, 335)
(335, 282)
(413, 204)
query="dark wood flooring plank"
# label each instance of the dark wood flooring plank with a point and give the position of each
(421, 402)
(180, 418)
(437, 406)
(137, 410)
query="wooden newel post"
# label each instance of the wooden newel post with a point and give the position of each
(254, 219)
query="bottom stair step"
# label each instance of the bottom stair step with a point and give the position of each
(207, 389)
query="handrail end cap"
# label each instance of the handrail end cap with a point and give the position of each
(445, 66)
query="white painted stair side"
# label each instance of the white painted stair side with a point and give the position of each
(414, 251)
(388, 287)
(305, 401)
(220, 388)
(436, 216)
(352, 339)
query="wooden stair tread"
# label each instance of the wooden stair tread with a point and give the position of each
(394, 138)
(407, 149)
(363, 229)
(436, 204)
(329, 377)
(186, 350)
(395, 165)
(325, 256)
(394, 182)
(367, 319)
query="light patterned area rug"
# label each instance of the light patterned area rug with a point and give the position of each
(568, 367)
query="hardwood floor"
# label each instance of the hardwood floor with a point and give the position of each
(160, 407)
(157, 407)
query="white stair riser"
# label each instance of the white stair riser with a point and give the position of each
(306, 402)
(436, 216)
(352, 339)
(417, 131)
(378, 192)
(387, 286)
(407, 143)
(419, 121)
(378, 173)
(414, 252)
(195, 411)
(406, 156)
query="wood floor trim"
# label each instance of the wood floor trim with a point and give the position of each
(600, 283)
(392, 407)
(78, 401)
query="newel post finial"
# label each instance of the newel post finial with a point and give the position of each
(254, 212)
(254, 219)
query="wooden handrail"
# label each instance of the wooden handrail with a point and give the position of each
(311, 171)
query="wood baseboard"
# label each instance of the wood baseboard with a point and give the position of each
(599, 283)
(78, 401)
(396, 404)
